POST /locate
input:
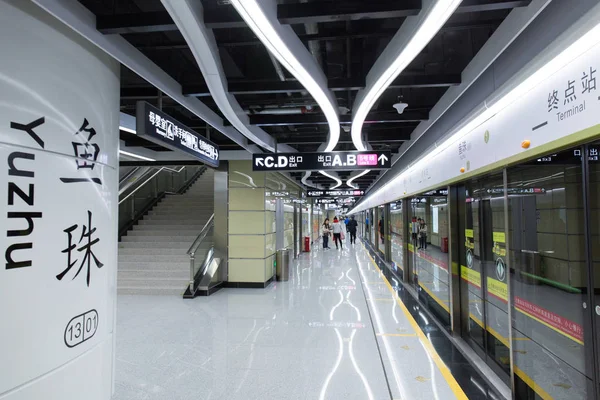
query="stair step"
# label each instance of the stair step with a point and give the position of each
(164, 232)
(171, 221)
(181, 211)
(196, 228)
(183, 217)
(155, 258)
(150, 282)
(163, 239)
(154, 266)
(162, 291)
(173, 207)
(152, 257)
(154, 245)
(162, 249)
(159, 251)
(142, 274)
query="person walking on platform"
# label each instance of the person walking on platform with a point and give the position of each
(337, 233)
(326, 232)
(381, 230)
(415, 225)
(346, 223)
(352, 226)
(423, 235)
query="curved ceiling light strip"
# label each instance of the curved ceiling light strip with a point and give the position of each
(304, 180)
(335, 178)
(396, 57)
(188, 15)
(349, 181)
(285, 45)
(362, 173)
(567, 47)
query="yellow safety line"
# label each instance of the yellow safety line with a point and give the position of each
(454, 386)
(434, 297)
(398, 334)
(531, 383)
(443, 368)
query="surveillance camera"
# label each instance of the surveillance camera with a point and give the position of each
(400, 107)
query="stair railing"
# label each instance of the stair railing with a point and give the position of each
(141, 192)
(194, 248)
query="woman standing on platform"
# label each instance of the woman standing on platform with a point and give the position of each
(326, 233)
(423, 235)
(337, 233)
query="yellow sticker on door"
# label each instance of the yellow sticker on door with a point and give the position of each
(497, 289)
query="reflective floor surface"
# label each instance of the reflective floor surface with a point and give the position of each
(335, 330)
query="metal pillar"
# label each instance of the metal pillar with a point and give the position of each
(221, 221)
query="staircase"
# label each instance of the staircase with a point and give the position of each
(153, 255)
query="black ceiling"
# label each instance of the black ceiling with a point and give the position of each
(345, 37)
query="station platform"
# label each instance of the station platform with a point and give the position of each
(336, 330)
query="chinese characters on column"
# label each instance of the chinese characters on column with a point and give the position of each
(87, 232)
(86, 153)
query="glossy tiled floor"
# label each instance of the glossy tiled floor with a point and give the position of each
(335, 330)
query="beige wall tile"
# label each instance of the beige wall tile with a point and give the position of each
(556, 270)
(246, 222)
(269, 270)
(270, 204)
(546, 221)
(246, 199)
(247, 270)
(288, 238)
(241, 174)
(595, 244)
(270, 221)
(551, 242)
(595, 221)
(578, 275)
(559, 196)
(574, 221)
(246, 246)
(270, 244)
(576, 248)
(574, 198)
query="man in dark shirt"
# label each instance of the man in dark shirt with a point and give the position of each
(352, 224)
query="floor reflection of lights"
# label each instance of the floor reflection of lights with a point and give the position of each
(379, 328)
(350, 341)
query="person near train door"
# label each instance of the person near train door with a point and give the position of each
(337, 233)
(423, 235)
(352, 226)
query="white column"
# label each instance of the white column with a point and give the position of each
(59, 114)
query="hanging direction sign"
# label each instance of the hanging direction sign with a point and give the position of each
(339, 161)
(333, 200)
(336, 193)
(160, 128)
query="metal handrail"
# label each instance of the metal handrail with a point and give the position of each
(129, 174)
(192, 250)
(149, 179)
(202, 235)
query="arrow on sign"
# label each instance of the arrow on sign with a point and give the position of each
(260, 162)
(383, 159)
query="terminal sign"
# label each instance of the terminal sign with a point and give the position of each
(340, 160)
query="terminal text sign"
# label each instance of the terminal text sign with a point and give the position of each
(340, 160)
